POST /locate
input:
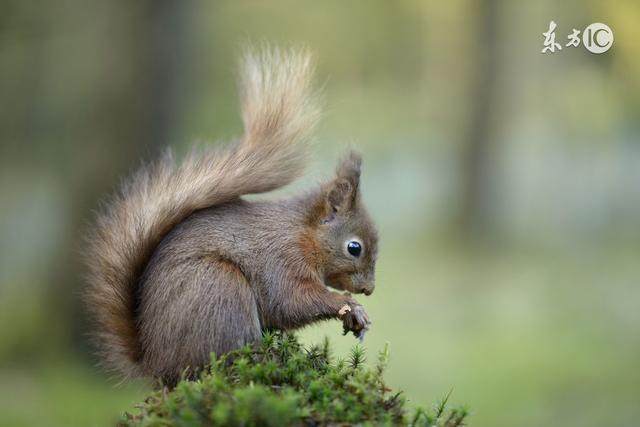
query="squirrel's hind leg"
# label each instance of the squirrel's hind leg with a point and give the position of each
(225, 307)
(210, 308)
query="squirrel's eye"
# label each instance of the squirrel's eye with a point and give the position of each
(354, 248)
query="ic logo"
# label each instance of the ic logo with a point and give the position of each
(597, 38)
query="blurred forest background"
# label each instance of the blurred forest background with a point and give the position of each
(506, 184)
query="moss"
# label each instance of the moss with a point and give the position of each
(280, 382)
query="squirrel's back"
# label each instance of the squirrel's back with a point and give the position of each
(278, 111)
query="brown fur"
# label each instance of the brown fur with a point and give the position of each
(180, 266)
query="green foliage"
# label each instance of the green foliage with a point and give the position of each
(282, 383)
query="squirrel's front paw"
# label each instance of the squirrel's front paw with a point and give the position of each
(354, 319)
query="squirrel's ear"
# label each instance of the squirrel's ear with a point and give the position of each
(339, 195)
(349, 169)
(343, 191)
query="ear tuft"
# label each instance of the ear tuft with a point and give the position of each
(349, 169)
(343, 191)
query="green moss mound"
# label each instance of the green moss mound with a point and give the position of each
(282, 383)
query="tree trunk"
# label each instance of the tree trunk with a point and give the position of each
(477, 147)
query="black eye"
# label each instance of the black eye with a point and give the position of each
(354, 248)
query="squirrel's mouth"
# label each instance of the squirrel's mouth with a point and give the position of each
(345, 282)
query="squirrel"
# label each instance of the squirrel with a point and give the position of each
(180, 265)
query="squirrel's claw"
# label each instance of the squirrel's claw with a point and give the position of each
(357, 321)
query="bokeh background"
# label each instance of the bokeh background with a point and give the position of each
(506, 184)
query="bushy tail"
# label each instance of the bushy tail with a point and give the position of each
(279, 112)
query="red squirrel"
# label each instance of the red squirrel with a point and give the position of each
(181, 265)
